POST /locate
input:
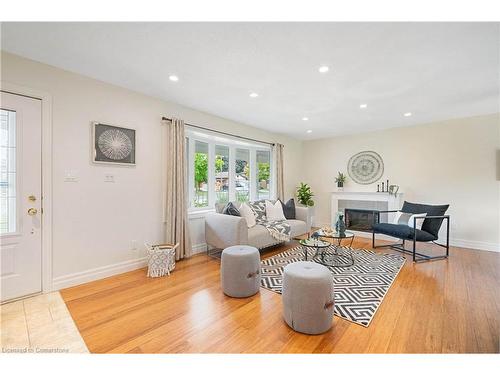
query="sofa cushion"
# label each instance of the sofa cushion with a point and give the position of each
(289, 209)
(402, 231)
(430, 225)
(259, 237)
(297, 227)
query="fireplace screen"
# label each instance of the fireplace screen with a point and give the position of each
(361, 220)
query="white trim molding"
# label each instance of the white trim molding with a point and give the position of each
(98, 273)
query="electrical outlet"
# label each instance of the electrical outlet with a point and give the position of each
(133, 245)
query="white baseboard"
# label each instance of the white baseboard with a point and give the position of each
(93, 274)
(78, 278)
(199, 248)
(474, 245)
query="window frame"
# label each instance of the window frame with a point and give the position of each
(232, 143)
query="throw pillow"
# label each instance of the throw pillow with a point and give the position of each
(289, 209)
(230, 209)
(247, 213)
(405, 218)
(274, 212)
(259, 208)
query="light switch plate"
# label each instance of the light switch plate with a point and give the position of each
(109, 178)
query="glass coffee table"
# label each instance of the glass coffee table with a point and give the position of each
(328, 254)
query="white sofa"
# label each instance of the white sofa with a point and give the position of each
(223, 230)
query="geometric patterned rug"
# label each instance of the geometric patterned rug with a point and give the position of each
(359, 289)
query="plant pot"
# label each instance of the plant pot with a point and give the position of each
(340, 186)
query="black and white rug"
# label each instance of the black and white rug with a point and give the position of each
(359, 289)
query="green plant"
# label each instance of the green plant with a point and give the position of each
(304, 195)
(340, 178)
(263, 173)
(200, 168)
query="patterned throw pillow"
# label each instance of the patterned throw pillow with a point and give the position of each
(259, 208)
(230, 209)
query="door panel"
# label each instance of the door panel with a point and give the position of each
(20, 196)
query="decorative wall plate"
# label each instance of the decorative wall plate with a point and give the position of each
(366, 167)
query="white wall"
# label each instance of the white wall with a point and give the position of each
(447, 162)
(94, 222)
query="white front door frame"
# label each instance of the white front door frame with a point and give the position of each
(46, 99)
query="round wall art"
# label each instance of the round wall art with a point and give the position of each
(366, 167)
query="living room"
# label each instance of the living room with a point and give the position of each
(167, 187)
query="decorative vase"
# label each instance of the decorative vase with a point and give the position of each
(340, 225)
(340, 186)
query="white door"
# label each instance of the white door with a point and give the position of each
(20, 196)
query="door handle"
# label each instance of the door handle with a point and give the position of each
(32, 211)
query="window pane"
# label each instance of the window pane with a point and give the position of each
(242, 185)
(200, 174)
(221, 174)
(263, 174)
(8, 176)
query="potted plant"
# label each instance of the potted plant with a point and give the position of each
(340, 179)
(304, 195)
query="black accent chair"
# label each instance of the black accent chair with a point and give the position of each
(429, 232)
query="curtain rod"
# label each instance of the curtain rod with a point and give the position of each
(217, 131)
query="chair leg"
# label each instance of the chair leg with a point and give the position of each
(414, 250)
(373, 239)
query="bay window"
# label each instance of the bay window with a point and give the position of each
(226, 169)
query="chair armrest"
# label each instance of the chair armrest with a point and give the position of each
(223, 230)
(304, 214)
(433, 217)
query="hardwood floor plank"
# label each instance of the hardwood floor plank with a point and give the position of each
(450, 306)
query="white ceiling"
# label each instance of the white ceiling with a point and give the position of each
(437, 71)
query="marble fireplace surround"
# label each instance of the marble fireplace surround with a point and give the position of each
(341, 200)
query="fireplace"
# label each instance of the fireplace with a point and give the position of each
(360, 220)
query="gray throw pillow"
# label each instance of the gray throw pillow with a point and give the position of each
(230, 209)
(289, 209)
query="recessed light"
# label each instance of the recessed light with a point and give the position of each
(305, 118)
(323, 69)
(254, 95)
(407, 114)
(363, 106)
(173, 78)
(309, 131)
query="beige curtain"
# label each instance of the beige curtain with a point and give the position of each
(280, 182)
(176, 199)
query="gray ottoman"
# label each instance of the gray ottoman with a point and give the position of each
(308, 297)
(240, 271)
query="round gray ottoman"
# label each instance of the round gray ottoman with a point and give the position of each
(240, 271)
(308, 297)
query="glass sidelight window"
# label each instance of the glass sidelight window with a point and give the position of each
(8, 175)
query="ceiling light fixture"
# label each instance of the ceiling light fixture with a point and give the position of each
(254, 95)
(309, 131)
(407, 114)
(363, 106)
(323, 69)
(173, 78)
(305, 118)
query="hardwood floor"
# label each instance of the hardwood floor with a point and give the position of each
(450, 306)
